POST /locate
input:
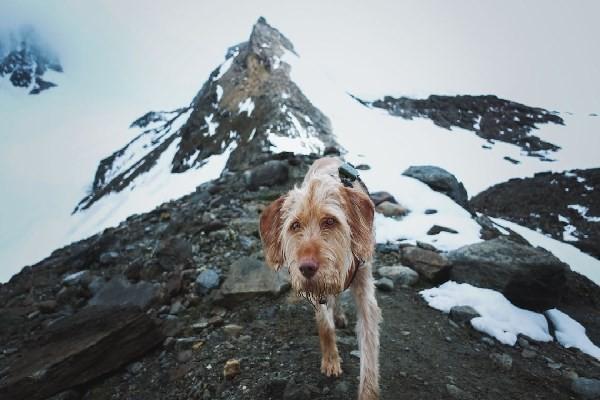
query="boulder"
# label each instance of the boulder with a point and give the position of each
(249, 277)
(390, 209)
(379, 197)
(432, 266)
(440, 180)
(587, 388)
(463, 314)
(529, 277)
(119, 292)
(77, 350)
(273, 172)
(437, 229)
(400, 274)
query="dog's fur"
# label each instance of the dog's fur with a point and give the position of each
(329, 227)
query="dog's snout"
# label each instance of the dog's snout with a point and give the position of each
(308, 268)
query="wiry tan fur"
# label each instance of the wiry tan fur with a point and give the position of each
(297, 227)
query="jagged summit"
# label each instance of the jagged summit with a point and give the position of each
(247, 109)
(25, 60)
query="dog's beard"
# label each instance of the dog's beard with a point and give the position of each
(319, 288)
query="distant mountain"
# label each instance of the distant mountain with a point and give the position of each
(25, 60)
(248, 107)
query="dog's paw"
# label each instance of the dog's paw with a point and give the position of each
(331, 367)
(340, 320)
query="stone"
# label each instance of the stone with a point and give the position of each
(272, 172)
(385, 284)
(231, 369)
(463, 314)
(526, 353)
(82, 278)
(503, 361)
(119, 292)
(207, 280)
(430, 211)
(379, 197)
(249, 277)
(404, 276)
(437, 229)
(386, 248)
(184, 356)
(456, 393)
(432, 266)
(426, 246)
(47, 306)
(79, 349)
(135, 368)
(391, 210)
(440, 180)
(586, 387)
(108, 257)
(176, 308)
(232, 330)
(528, 277)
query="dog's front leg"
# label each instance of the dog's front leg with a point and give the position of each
(367, 330)
(330, 362)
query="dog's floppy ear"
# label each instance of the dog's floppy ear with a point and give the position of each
(270, 233)
(360, 212)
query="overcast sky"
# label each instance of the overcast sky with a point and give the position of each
(124, 58)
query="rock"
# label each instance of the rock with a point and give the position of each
(79, 349)
(526, 353)
(529, 277)
(379, 197)
(249, 277)
(430, 211)
(273, 172)
(440, 180)
(82, 278)
(174, 253)
(173, 285)
(586, 388)
(363, 167)
(176, 308)
(426, 246)
(207, 280)
(47, 306)
(400, 274)
(463, 314)
(437, 229)
(119, 292)
(108, 257)
(385, 284)
(233, 330)
(432, 266)
(456, 393)
(135, 368)
(231, 369)
(386, 248)
(184, 356)
(503, 361)
(391, 210)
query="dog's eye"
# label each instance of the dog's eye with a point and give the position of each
(328, 222)
(295, 226)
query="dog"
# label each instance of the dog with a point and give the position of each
(322, 232)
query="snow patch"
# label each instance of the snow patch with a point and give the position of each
(246, 106)
(571, 333)
(499, 317)
(212, 126)
(583, 212)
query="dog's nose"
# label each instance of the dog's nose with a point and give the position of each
(308, 268)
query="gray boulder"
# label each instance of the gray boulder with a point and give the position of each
(119, 292)
(529, 277)
(400, 274)
(249, 277)
(432, 266)
(586, 388)
(271, 173)
(440, 180)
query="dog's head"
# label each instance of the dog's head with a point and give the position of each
(318, 231)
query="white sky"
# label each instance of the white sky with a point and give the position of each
(124, 58)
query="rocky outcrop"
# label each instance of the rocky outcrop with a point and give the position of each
(441, 181)
(565, 205)
(24, 61)
(248, 109)
(489, 117)
(530, 278)
(77, 350)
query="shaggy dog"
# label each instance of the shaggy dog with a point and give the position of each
(322, 232)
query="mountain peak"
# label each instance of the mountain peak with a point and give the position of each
(247, 110)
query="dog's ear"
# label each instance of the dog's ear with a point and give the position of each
(270, 233)
(360, 212)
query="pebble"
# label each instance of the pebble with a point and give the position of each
(135, 368)
(207, 280)
(231, 368)
(232, 330)
(385, 284)
(526, 353)
(455, 392)
(504, 361)
(176, 308)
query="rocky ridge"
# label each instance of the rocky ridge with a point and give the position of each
(247, 108)
(489, 117)
(24, 61)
